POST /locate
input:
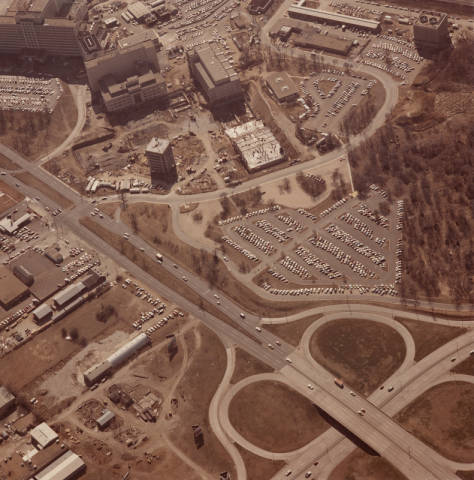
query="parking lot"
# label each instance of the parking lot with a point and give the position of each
(348, 246)
(30, 94)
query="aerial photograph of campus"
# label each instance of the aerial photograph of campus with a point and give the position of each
(236, 240)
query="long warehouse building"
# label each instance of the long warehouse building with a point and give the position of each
(301, 12)
(66, 467)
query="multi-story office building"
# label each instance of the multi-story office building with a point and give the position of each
(160, 158)
(127, 77)
(217, 78)
(431, 31)
(31, 27)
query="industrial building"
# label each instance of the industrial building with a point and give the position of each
(127, 77)
(138, 11)
(12, 291)
(160, 158)
(42, 314)
(99, 371)
(43, 435)
(257, 146)
(282, 87)
(431, 32)
(216, 77)
(32, 27)
(24, 275)
(139, 38)
(7, 401)
(301, 12)
(317, 41)
(66, 467)
(10, 226)
(105, 419)
(69, 294)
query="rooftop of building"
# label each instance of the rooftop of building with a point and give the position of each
(213, 61)
(138, 9)
(5, 396)
(10, 286)
(111, 86)
(157, 145)
(6, 5)
(324, 42)
(138, 38)
(43, 434)
(282, 84)
(430, 19)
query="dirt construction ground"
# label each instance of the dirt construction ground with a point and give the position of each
(363, 353)
(362, 466)
(443, 417)
(275, 417)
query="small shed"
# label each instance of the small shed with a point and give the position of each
(42, 314)
(104, 420)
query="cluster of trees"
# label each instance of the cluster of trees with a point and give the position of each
(73, 334)
(431, 169)
(310, 185)
(105, 312)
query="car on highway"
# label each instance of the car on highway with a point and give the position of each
(289, 360)
(390, 389)
(310, 386)
(270, 346)
(242, 315)
(258, 329)
(4, 173)
(142, 249)
(288, 473)
(185, 279)
(278, 342)
(307, 474)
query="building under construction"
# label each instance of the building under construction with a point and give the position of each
(257, 146)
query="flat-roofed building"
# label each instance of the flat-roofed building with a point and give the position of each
(138, 11)
(43, 435)
(66, 467)
(256, 144)
(160, 158)
(431, 32)
(317, 41)
(216, 77)
(32, 27)
(12, 291)
(282, 87)
(7, 401)
(321, 16)
(139, 38)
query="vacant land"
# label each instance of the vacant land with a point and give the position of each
(194, 393)
(363, 353)
(429, 337)
(9, 197)
(6, 163)
(293, 331)
(258, 467)
(247, 365)
(154, 224)
(362, 466)
(32, 181)
(465, 475)
(466, 367)
(275, 417)
(443, 417)
(423, 154)
(33, 134)
(48, 349)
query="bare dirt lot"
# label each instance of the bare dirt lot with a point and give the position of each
(258, 467)
(6, 163)
(363, 353)
(194, 394)
(33, 134)
(466, 367)
(443, 417)
(275, 417)
(362, 466)
(49, 348)
(247, 365)
(9, 198)
(429, 337)
(32, 181)
(293, 331)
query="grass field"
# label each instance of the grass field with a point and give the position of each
(6, 163)
(362, 466)
(33, 134)
(258, 467)
(247, 365)
(466, 367)
(275, 417)
(293, 331)
(363, 353)
(32, 181)
(443, 417)
(9, 198)
(429, 337)
(194, 393)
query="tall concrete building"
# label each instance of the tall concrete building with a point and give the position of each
(431, 31)
(31, 27)
(161, 160)
(217, 78)
(127, 77)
